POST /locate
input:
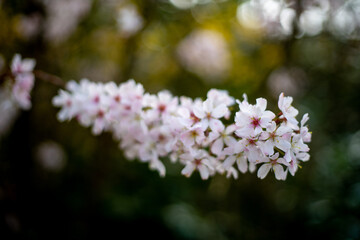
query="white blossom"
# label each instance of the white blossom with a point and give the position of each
(222, 138)
(273, 163)
(275, 137)
(251, 119)
(198, 159)
(288, 112)
(209, 115)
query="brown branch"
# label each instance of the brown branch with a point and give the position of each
(41, 75)
(47, 77)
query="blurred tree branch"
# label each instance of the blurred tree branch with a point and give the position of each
(50, 78)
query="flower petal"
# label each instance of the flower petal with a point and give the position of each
(216, 125)
(189, 169)
(204, 172)
(217, 146)
(227, 164)
(242, 164)
(261, 103)
(219, 111)
(279, 171)
(263, 170)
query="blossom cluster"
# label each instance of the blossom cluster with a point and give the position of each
(199, 134)
(23, 80)
(15, 92)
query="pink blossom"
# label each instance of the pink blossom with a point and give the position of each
(275, 137)
(23, 80)
(251, 119)
(192, 136)
(236, 153)
(273, 163)
(197, 160)
(209, 115)
(288, 112)
(222, 137)
(297, 146)
(22, 66)
(304, 131)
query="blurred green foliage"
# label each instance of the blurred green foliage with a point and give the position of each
(100, 193)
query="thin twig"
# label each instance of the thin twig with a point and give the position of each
(47, 77)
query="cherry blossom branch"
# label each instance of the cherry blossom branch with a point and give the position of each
(20, 77)
(192, 132)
